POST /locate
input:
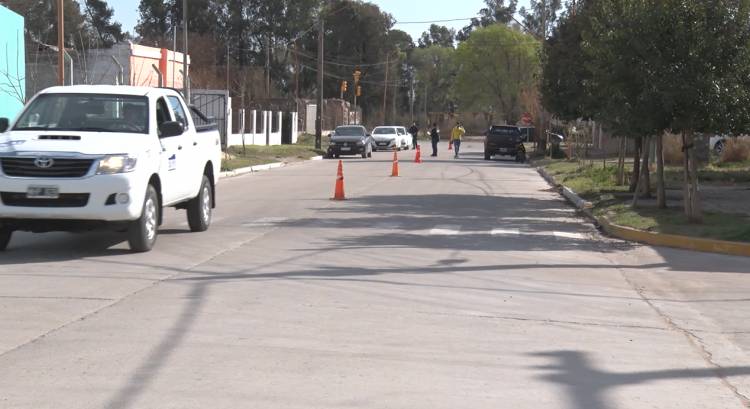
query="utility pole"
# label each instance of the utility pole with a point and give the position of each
(185, 65)
(412, 98)
(357, 75)
(296, 70)
(227, 63)
(319, 110)
(426, 118)
(385, 88)
(268, 66)
(60, 44)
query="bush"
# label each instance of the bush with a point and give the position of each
(736, 150)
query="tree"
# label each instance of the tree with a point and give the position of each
(99, 16)
(496, 65)
(541, 16)
(436, 69)
(39, 13)
(494, 12)
(678, 65)
(440, 36)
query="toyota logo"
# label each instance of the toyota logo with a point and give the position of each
(44, 163)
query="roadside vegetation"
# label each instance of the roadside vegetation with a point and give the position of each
(237, 157)
(597, 183)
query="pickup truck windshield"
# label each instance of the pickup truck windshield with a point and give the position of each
(86, 113)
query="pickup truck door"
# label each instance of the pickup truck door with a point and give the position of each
(172, 162)
(193, 153)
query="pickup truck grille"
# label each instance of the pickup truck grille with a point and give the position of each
(65, 200)
(61, 168)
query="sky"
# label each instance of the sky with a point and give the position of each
(126, 12)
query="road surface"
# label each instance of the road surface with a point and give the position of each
(461, 284)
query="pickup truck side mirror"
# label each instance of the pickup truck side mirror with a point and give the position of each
(170, 129)
(4, 124)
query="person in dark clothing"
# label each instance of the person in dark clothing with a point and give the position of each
(435, 136)
(414, 131)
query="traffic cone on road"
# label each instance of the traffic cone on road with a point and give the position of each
(418, 156)
(338, 194)
(394, 171)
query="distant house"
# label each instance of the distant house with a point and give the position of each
(12, 63)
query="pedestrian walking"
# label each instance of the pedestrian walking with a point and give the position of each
(435, 137)
(456, 134)
(414, 131)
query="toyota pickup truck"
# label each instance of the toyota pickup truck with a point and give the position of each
(87, 157)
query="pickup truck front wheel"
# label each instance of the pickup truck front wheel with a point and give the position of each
(142, 232)
(199, 209)
(5, 234)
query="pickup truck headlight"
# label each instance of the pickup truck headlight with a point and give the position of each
(111, 165)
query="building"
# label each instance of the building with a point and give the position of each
(12, 63)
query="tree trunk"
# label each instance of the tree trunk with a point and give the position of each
(661, 193)
(693, 208)
(636, 164)
(643, 180)
(645, 190)
(621, 161)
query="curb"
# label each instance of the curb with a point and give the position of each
(731, 248)
(261, 168)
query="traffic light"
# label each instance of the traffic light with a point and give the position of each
(344, 86)
(359, 90)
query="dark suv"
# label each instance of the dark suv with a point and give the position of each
(502, 140)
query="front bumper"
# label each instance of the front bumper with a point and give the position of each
(390, 144)
(501, 149)
(346, 150)
(100, 189)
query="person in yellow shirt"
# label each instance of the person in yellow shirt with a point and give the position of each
(456, 134)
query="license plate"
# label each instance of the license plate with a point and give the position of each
(42, 192)
(503, 149)
(346, 149)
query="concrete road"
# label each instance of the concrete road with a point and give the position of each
(461, 284)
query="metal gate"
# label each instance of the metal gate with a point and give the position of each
(214, 104)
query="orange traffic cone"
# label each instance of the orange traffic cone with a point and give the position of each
(418, 156)
(338, 194)
(394, 172)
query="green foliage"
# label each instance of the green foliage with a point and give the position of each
(41, 22)
(494, 12)
(436, 69)
(440, 36)
(99, 16)
(496, 65)
(540, 16)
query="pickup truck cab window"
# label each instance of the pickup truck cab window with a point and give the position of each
(162, 113)
(86, 113)
(179, 111)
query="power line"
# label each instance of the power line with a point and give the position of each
(435, 21)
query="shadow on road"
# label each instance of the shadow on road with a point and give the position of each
(587, 387)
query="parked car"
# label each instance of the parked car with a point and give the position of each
(389, 137)
(86, 157)
(350, 140)
(717, 143)
(502, 140)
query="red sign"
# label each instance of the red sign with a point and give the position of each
(527, 119)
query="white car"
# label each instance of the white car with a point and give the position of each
(85, 157)
(389, 137)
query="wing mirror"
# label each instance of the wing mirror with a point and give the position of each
(170, 129)
(4, 124)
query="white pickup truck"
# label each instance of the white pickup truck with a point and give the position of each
(86, 157)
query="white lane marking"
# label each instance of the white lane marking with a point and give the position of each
(265, 222)
(445, 230)
(387, 226)
(568, 235)
(505, 232)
